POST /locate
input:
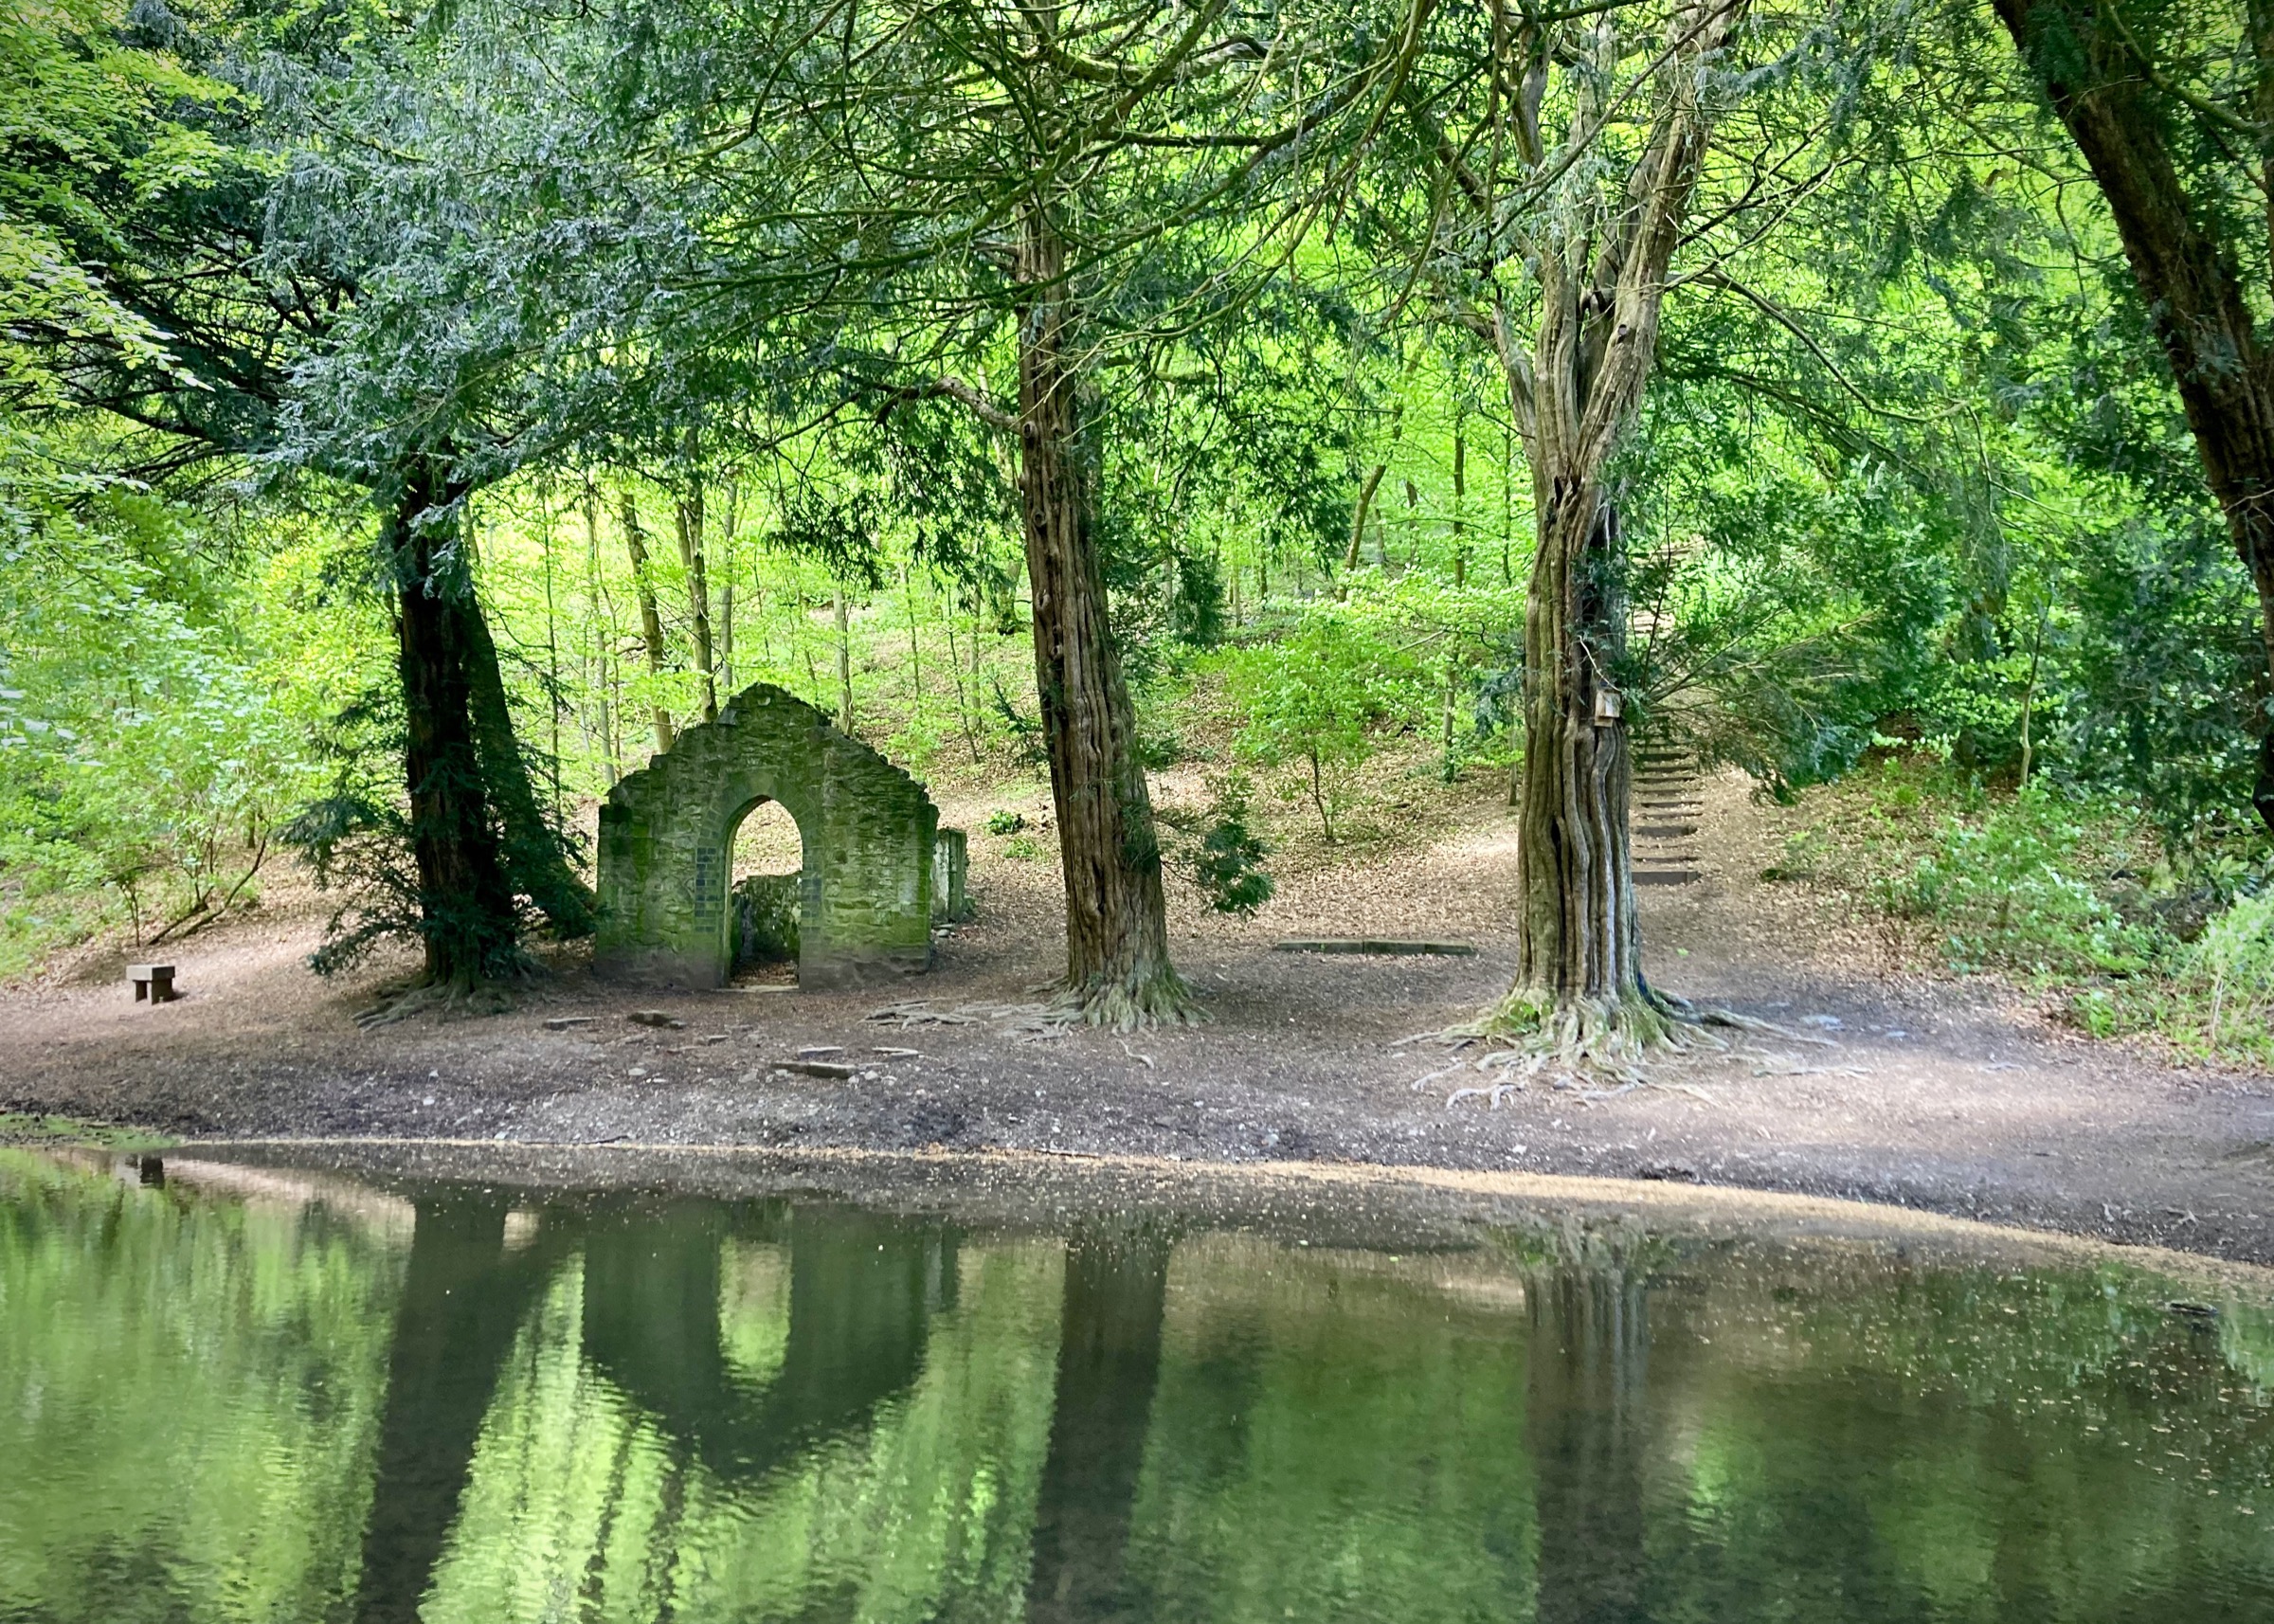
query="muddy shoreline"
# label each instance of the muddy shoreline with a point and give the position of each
(1952, 1098)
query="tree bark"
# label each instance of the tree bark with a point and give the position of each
(650, 623)
(1578, 942)
(844, 664)
(1360, 512)
(603, 632)
(466, 909)
(534, 850)
(728, 530)
(690, 517)
(1118, 965)
(2191, 281)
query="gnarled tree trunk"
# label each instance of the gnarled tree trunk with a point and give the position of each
(1602, 285)
(1118, 965)
(1576, 939)
(533, 845)
(480, 840)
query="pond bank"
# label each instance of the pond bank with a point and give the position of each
(1949, 1097)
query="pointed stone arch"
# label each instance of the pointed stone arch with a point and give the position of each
(868, 833)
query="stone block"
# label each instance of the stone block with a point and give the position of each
(950, 871)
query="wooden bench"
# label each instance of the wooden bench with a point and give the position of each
(153, 981)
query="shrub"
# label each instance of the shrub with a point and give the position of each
(2006, 887)
(2224, 982)
(1227, 861)
(1311, 705)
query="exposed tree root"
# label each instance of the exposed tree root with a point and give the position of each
(1010, 1020)
(1156, 998)
(444, 998)
(1612, 1034)
(1531, 1030)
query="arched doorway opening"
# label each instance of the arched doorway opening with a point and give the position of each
(766, 869)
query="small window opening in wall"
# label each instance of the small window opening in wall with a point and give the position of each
(766, 864)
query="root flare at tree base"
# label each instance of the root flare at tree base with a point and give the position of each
(1154, 998)
(1612, 1033)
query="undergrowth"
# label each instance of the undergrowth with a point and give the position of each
(2073, 897)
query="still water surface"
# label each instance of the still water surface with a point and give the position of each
(246, 1395)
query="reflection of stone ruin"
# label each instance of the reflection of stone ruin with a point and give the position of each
(876, 863)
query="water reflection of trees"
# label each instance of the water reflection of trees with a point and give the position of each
(636, 1408)
(778, 1413)
(187, 1396)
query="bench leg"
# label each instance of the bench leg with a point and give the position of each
(141, 991)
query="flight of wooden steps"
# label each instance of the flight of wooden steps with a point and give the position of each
(1663, 817)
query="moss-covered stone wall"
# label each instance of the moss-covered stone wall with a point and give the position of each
(666, 840)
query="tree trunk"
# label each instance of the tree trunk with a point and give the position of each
(690, 517)
(465, 900)
(1577, 936)
(2189, 279)
(1460, 516)
(915, 649)
(602, 630)
(1579, 979)
(650, 623)
(535, 848)
(1359, 511)
(726, 609)
(1117, 966)
(844, 664)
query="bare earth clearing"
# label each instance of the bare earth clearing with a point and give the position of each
(1960, 1097)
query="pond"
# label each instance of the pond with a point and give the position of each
(252, 1392)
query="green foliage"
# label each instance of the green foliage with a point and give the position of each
(149, 739)
(58, 1132)
(1224, 854)
(2004, 887)
(2068, 892)
(1311, 705)
(1913, 465)
(2215, 996)
(1004, 822)
(141, 1311)
(1228, 869)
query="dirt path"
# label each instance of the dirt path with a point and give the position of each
(1952, 1096)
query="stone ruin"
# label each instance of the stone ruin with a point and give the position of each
(878, 870)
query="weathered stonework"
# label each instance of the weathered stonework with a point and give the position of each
(765, 920)
(666, 839)
(950, 867)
